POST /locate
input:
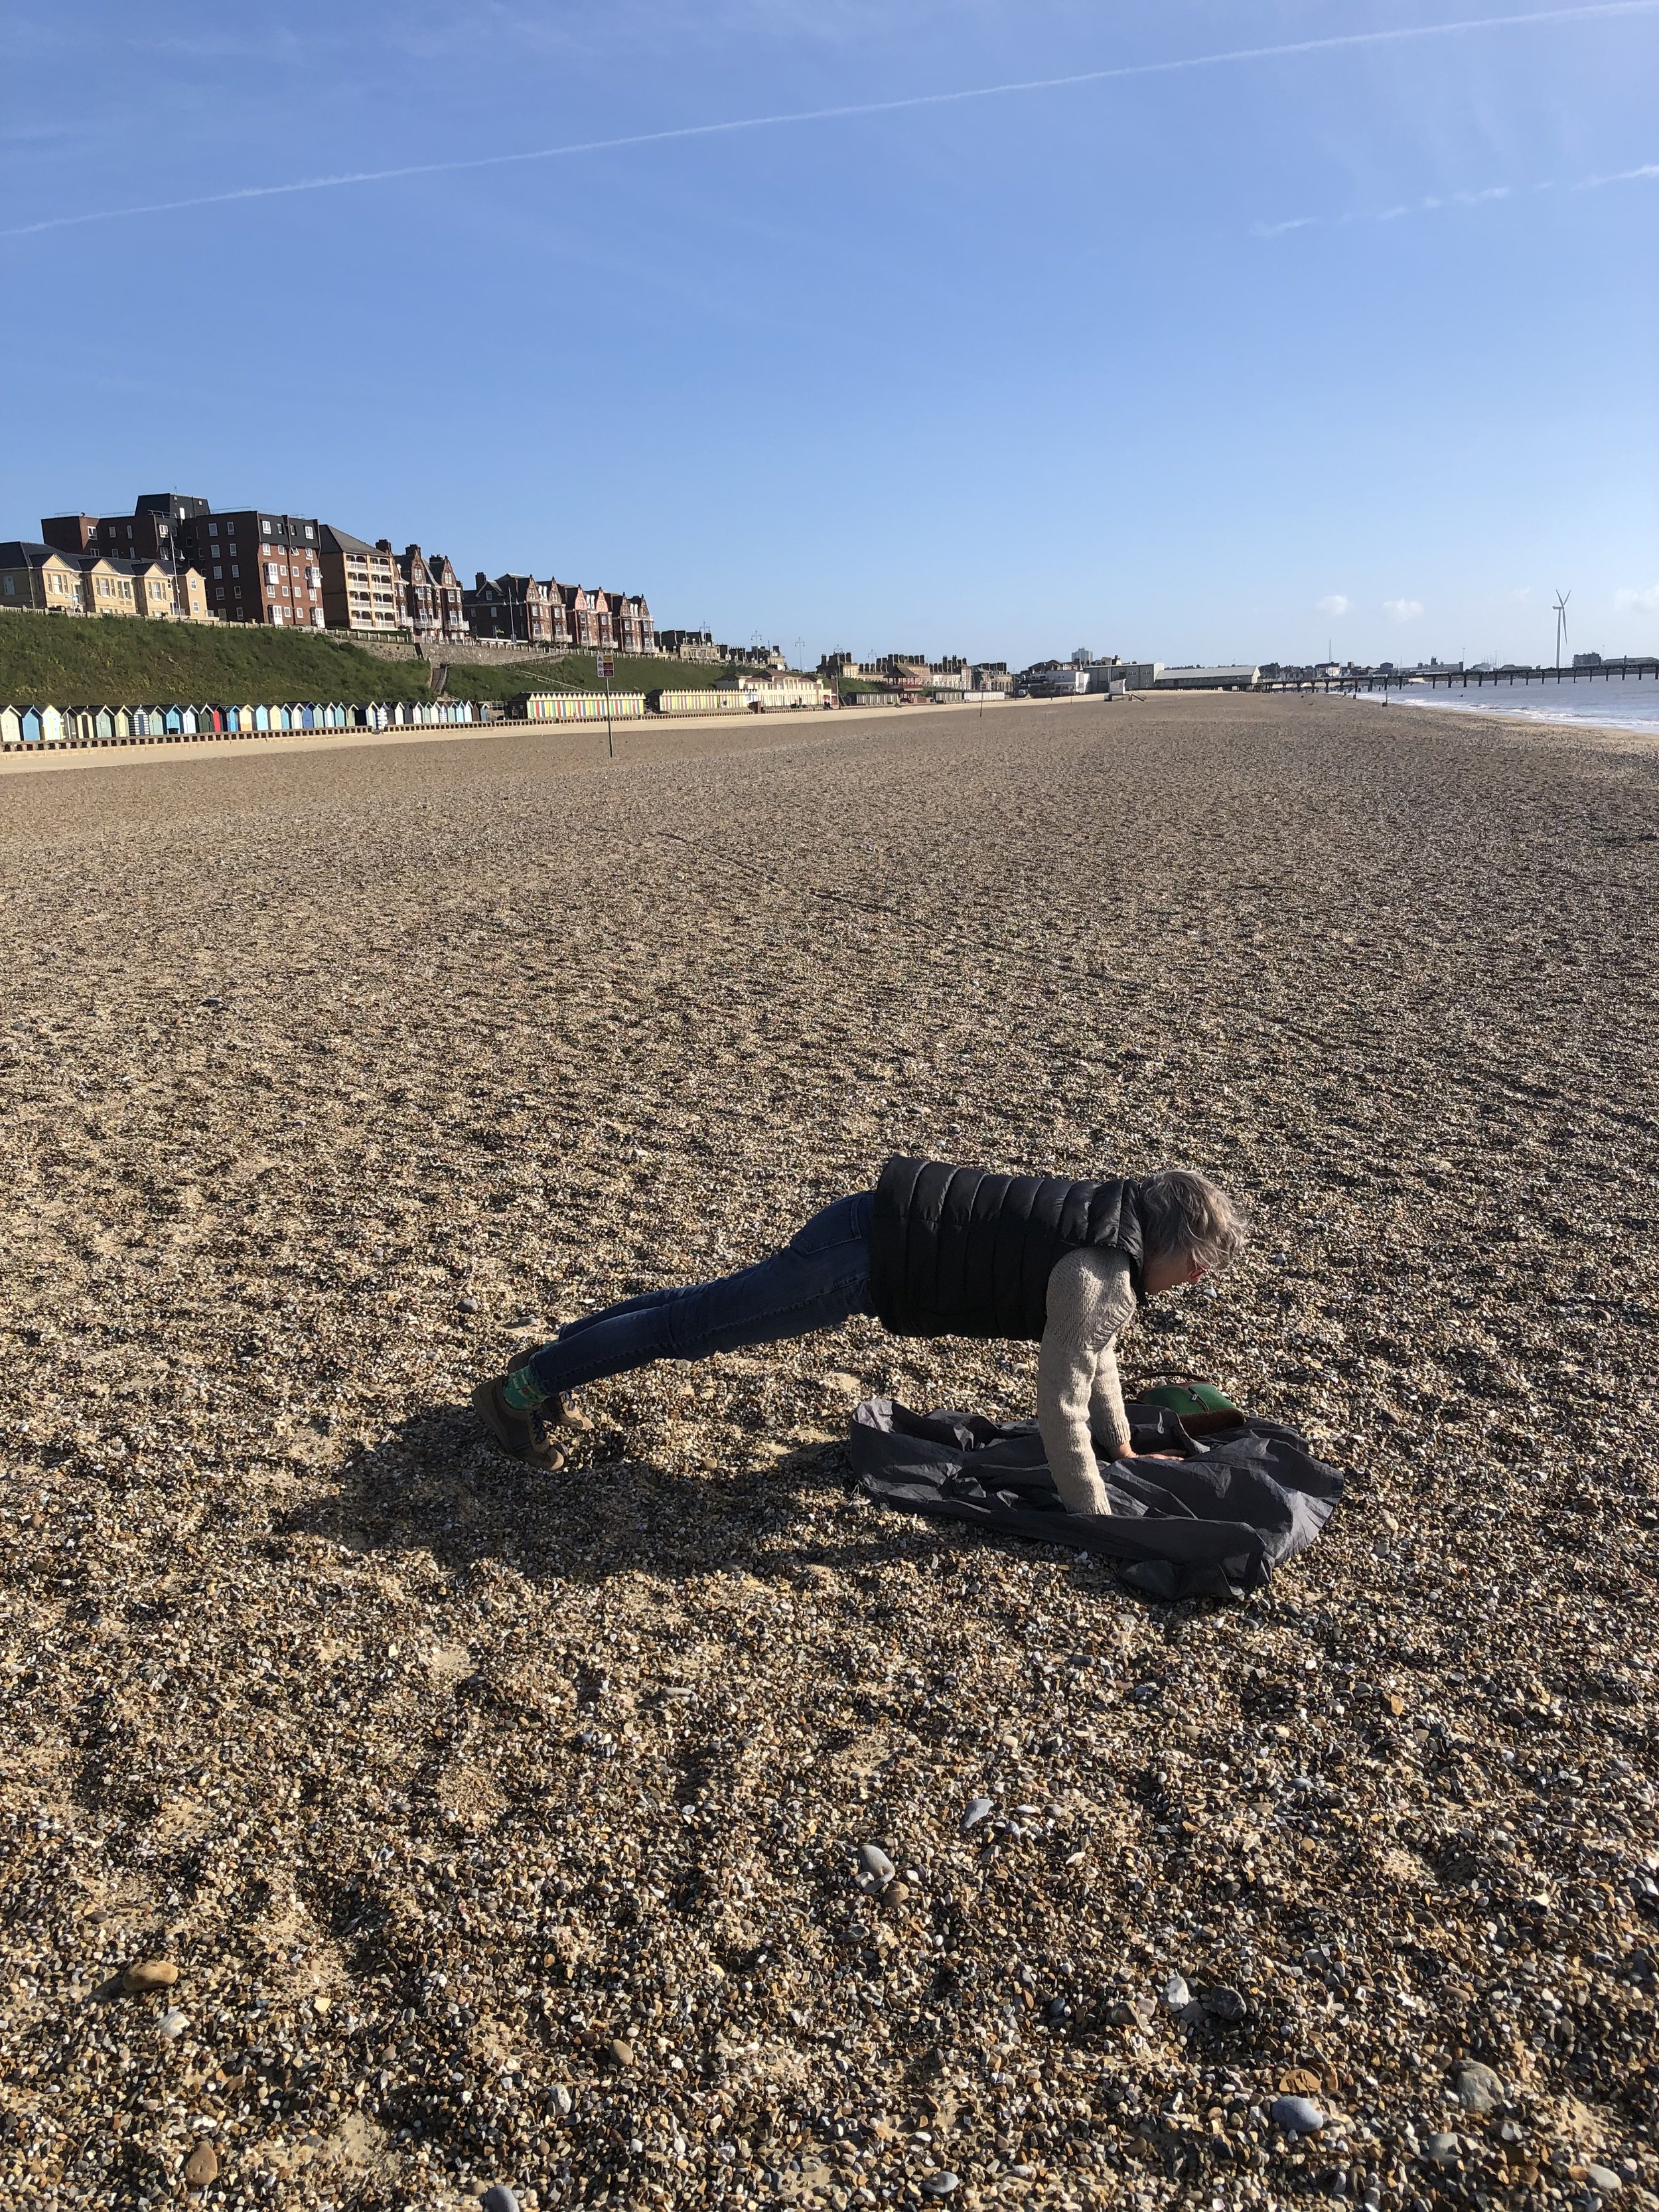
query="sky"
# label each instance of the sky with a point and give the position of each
(1194, 331)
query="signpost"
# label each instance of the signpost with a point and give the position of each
(607, 668)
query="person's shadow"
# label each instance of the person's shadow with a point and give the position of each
(435, 1485)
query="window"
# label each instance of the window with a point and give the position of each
(236, 587)
(219, 589)
(213, 530)
(234, 571)
(217, 573)
(11, 587)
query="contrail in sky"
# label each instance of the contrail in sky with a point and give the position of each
(1436, 204)
(1398, 36)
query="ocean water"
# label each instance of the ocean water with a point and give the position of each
(1623, 703)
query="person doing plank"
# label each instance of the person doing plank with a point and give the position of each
(933, 1250)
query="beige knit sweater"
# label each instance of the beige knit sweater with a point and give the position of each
(1079, 1398)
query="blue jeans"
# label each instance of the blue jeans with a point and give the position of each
(819, 1279)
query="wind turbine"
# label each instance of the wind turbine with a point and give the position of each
(1561, 599)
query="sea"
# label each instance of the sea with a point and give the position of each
(1619, 703)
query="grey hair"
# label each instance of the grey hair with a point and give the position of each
(1184, 1212)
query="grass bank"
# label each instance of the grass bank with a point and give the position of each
(113, 661)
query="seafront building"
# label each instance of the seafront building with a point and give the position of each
(296, 572)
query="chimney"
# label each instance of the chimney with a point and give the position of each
(383, 545)
(483, 579)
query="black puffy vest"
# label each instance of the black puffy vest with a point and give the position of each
(960, 1252)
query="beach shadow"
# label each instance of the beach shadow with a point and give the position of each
(435, 1485)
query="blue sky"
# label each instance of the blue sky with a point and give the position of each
(1355, 344)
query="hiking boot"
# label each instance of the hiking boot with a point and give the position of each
(521, 1432)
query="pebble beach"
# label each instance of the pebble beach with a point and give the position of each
(386, 1824)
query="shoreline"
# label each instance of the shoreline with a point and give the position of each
(1639, 736)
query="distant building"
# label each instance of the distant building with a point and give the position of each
(432, 600)
(510, 607)
(990, 676)
(1116, 675)
(1055, 682)
(1238, 678)
(39, 575)
(689, 644)
(1579, 660)
(361, 589)
(631, 617)
(260, 568)
(69, 533)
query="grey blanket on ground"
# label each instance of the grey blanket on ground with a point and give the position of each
(1216, 1522)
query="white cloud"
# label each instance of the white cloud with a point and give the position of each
(1402, 610)
(1647, 599)
(1333, 604)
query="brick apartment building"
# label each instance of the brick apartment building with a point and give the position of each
(260, 568)
(361, 590)
(435, 604)
(631, 619)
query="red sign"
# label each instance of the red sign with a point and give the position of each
(607, 668)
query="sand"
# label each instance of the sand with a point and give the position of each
(503, 1828)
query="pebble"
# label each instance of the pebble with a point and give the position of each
(1300, 2081)
(1224, 2004)
(939, 2184)
(201, 2166)
(1145, 1693)
(1297, 2116)
(1476, 2087)
(498, 2198)
(173, 2024)
(1603, 2179)
(979, 1808)
(875, 1861)
(620, 2051)
(1443, 2149)
(149, 1974)
(559, 2097)
(1173, 1993)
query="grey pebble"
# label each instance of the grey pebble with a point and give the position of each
(1144, 1693)
(979, 1808)
(938, 2184)
(173, 2023)
(875, 1861)
(1603, 2179)
(559, 2097)
(1224, 2004)
(1173, 1992)
(1476, 2087)
(499, 2198)
(1023, 2172)
(1297, 2116)
(1443, 2149)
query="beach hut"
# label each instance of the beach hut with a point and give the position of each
(122, 719)
(212, 718)
(30, 731)
(172, 721)
(262, 717)
(187, 721)
(11, 727)
(103, 727)
(246, 719)
(78, 726)
(51, 726)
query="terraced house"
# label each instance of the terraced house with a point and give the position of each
(33, 574)
(362, 589)
(512, 606)
(433, 602)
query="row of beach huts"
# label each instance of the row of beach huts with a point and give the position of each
(24, 728)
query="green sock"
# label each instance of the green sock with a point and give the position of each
(522, 1391)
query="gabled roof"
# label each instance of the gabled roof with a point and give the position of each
(28, 553)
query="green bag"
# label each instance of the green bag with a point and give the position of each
(1200, 1408)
